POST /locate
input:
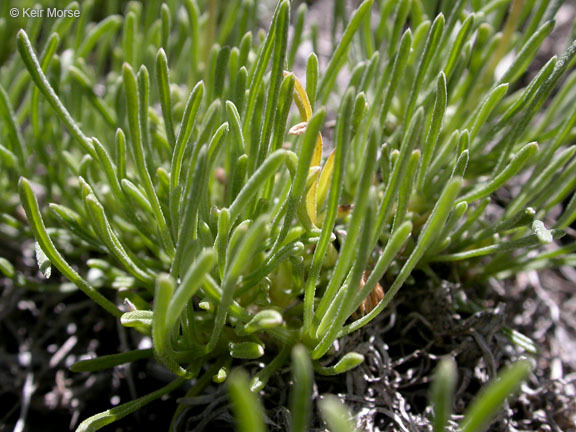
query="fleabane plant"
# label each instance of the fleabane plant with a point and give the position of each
(235, 221)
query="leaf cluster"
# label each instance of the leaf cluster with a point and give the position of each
(241, 212)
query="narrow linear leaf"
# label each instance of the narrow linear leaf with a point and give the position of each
(487, 404)
(336, 415)
(39, 230)
(163, 79)
(518, 161)
(339, 57)
(33, 66)
(137, 318)
(301, 393)
(248, 410)
(111, 415)
(110, 361)
(442, 393)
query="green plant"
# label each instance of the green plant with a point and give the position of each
(485, 406)
(478, 416)
(227, 233)
(248, 409)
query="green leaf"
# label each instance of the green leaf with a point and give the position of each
(110, 361)
(163, 79)
(246, 350)
(246, 251)
(136, 133)
(283, 111)
(339, 56)
(256, 73)
(301, 13)
(276, 77)
(45, 61)
(301, 393)
(190, 284)
(527, 53)
(393, 246)
(161, 333)
(324, 181)
(428, 235)
(128, 38)
(120, 142)
(219, 71)
(247, 409)
(540, 96)
(400, 14)
(185, 132)
(107, 26)
(31, 61)
(442, 392)
(359, 233)
(101, 106)
(486, 107)
(440, 104)
(431, 47)
(270, 166)
(398, 172)
(98, 421)
(524, 242)
(8, 158)
(529, 93)
(214, 145)
(301, 176)
(343, 132)
(135, 195)
(335, 414)
(14, 134)
(234, 121)
(165, 19)
(487, 404)
(456, 50)
(518, 161)
(347, 362)
(398, 68)
(39, 230)
(187, 233)
(312, 78)
(259, 380)
(7, 268)
(520, 340)
(540, 182)
(265, 319)
(138, 318)
(406, 187)
(75, 224)
(111, 239)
